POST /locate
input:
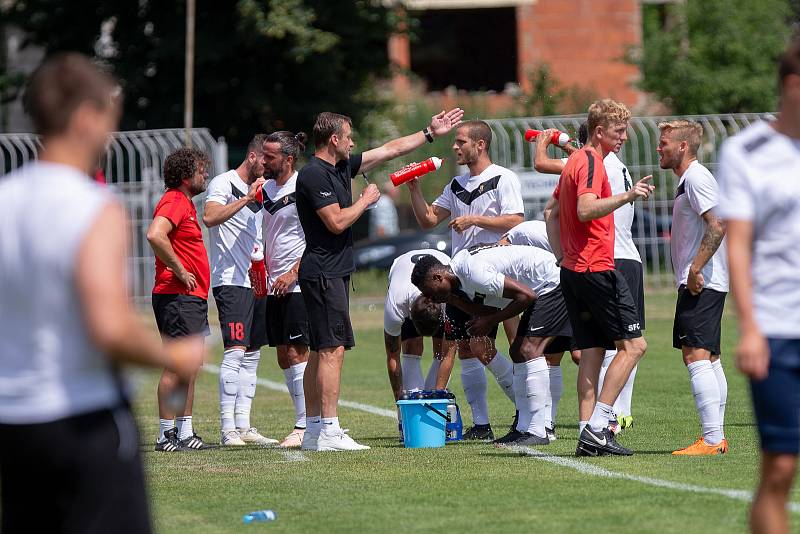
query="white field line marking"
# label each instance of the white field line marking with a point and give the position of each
(577, 465)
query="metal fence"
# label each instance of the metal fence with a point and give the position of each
(132, 165)
(653, 217)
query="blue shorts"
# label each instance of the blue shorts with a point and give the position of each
(776, 399)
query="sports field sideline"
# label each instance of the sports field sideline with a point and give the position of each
(469, 485)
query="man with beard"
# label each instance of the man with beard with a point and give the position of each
(180, 293)
(482, 205)
(234, 219)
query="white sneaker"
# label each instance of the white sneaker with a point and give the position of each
(309, 442)
(231, 438)
(338, 441)
(251, 436)
(293, 440)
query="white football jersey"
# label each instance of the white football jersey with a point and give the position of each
(620, 180)
(758, 181)
(697, 192)
(402, 293)
(284, 240)
(232, 242)
(482, 271)
(529, 233)
(495, 191)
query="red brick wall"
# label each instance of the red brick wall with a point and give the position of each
(583, 42)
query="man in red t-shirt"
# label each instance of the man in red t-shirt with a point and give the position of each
(580, 226)
(180, 294)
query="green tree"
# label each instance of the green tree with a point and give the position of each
(260, 65)
(714, 56)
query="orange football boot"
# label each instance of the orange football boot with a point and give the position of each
(701, 448)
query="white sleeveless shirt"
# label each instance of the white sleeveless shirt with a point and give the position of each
(49, 369)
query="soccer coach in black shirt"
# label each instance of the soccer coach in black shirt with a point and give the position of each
(327, 211)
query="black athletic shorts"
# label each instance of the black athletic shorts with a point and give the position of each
(242, 317)
(456, 326)
(180, 315)
(409, 331)
(328, 306)
(80, 474)
(600, 307)
(698, 320)
(633, 273)
(546, 317)
(287, 320)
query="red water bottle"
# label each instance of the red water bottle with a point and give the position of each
(415, 170)
(558, 138)
(258, 271)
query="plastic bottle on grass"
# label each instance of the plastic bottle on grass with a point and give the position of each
(259, 516)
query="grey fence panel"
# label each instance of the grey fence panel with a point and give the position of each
(653, 217)
(132, 166)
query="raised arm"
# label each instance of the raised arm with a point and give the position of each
(427, 215)
(441, 124)
(215, 213)
(591, 207)
(542, 161)
(712, 238)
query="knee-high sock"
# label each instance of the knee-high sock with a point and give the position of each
(722, 382)
(411, 364)
(503, 371)
(706, 399)
(228, 386)
(537, 388)
(247, 389)
(622, 406)
(556, 390)
(473, 378)
(520, 397)
(294, 383)
(607, 359)
(433, 374)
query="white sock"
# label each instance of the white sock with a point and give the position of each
(164, 425)
(503, 370)
(247, 389)
(581, 426)
(520, 397)
(706, 399)
(331, 425)
(556, 390)
(473, 378)
(433, 374)
(411, 364)
(229, 385)
(601, 415)
(313, 425)
(537, 385)
(294, 383)
(607, 359)
(184, 426)
(622, 406)
(722, 382)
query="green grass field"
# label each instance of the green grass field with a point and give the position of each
(465, 486)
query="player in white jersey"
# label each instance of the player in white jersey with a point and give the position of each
(701, 275)
(69, 448)
(530, 233)
(284, 243)
(234, 218)
(502, 282)
(481, 205)
(760, 201)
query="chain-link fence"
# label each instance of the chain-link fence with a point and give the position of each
(651, 229)
(133, 168)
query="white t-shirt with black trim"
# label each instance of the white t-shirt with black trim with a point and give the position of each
(759, 171)
(402, 293)
(620, 180)
(495, 191)
(232, 242)
(284, 240)
(529, 233)
(482, 271)
(697, 193)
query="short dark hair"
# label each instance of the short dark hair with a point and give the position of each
(477, 131)
(789, 62)
(326, 125)
(422, 269)
(182, 164)
(291, 144)
(426, 316)
(583, 133)
(60, 85)
(256, 144)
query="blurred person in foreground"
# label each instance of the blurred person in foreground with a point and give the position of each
(68, 442)
(760, 202)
